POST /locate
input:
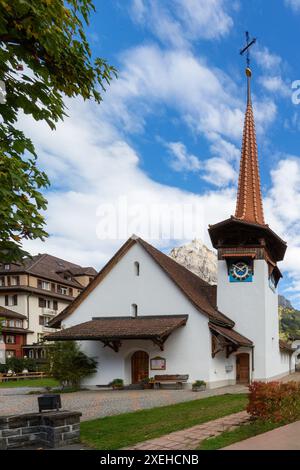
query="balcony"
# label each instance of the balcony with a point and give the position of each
(48, 311)
(46, 329)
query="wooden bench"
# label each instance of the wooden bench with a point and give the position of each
(21, 376)
(177, 379)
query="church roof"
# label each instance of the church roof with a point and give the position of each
(117, 328)
(249, 205)
(201, 294)
(232, 335)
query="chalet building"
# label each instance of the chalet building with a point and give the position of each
(144, 314)
(39, 289)
(13, 334)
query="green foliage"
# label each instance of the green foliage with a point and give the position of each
(117, 383)
(274, 401)
(199, 383)
(18, 364)
(289, 322)
(44, 56)
(68, 364)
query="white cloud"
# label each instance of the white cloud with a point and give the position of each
(181, 159)
(91, 165)
(219, 172)
(179, 22)
(266, 59)
(294, 4)
(275, 84)
(205, 98)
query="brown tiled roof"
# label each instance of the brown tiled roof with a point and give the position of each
(48, 267)
(249, 205)
(233, 225)
(232, 335)
(284, 346)
(7, 313)
(116, 328)
(12, 329)
(200, 293)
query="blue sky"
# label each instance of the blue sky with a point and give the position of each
(169, 129)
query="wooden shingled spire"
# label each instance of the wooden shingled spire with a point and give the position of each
(249, 206)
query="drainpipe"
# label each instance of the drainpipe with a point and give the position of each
(252, 362)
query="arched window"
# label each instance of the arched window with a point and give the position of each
(134, 310)
(137, 268)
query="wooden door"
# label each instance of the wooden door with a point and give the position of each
(242, 368)
(139, 366)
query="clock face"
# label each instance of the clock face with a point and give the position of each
(240, 271)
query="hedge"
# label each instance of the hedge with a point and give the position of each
(274, 401)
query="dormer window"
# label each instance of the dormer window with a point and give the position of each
(137, 268)
(7, 267)
(134, 310)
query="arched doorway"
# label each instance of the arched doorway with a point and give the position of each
(242, 368)
(139, 366)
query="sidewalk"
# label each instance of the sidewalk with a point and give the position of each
(283, 438)
(190, 438)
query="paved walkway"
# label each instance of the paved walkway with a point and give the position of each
(190, 438)
(283, 438)
(100, 403)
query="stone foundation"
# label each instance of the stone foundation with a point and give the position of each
(50, 429)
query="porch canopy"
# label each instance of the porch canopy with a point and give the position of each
(111, 330)
(227, 339)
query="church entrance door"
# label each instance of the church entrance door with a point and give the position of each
(242, 368)
(139, 366)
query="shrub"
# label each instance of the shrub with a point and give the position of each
(274, 401)
(199, 383)
(68, 364)
(117, 383)
(18, 364)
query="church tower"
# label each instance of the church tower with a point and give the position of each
(248, 253)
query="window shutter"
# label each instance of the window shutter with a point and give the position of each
(55, 305)
(39, 284)
(15, 300)
(6, 300)
(8, 280)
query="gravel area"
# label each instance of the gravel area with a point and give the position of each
(95, 404)
(99, 403)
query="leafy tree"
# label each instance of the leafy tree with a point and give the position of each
(68, 364)
(44, 57)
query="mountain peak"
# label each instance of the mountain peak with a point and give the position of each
(199, 259)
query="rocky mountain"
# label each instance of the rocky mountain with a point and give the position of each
(199, 259)
(284, 302)
(202, 261)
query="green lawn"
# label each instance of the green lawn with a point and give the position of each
(115, 432)
(47, 382)
(239, 434)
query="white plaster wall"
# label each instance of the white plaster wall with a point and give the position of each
(187, 350)
(296, 346)
(254, 308)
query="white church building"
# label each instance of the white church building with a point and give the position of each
(144, 314)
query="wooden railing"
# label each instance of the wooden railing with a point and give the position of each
(22, 376)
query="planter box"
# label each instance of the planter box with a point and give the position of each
(201, 388)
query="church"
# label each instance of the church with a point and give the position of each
(144, 314)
